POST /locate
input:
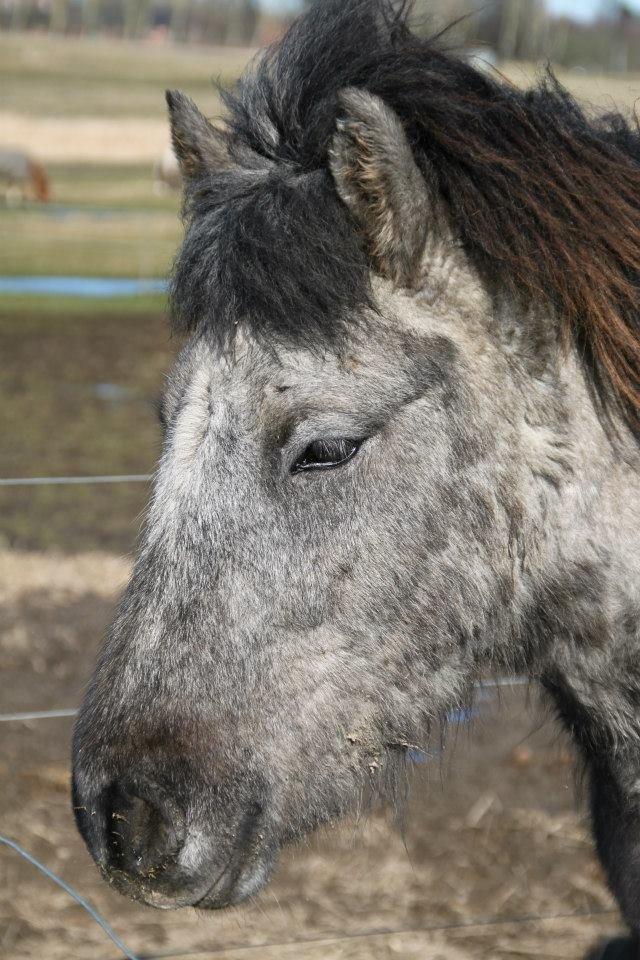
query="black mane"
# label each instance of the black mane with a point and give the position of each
(545, 199)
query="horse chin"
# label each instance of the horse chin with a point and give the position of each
(211, 889)
(142, 892)
(246, 884)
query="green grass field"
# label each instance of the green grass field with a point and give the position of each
(109, 186)
(137, 244)
(46, 307)
(67, 79)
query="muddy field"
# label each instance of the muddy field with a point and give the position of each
(492, 835)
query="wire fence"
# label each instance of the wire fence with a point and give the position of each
(317, 941)
(386, 932)
(37, 715)
(371, 934)
(90, 909)
(73, 481)
(491, 683)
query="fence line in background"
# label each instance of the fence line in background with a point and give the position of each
(370, 934)
(91, 910)
(68, 481)
(308, 941)
(488, 684)
(37, 715)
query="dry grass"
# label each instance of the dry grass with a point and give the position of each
(89, 139)
(48, 76)
(62, 577)
(100, 100)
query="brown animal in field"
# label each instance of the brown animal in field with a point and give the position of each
(22, 178)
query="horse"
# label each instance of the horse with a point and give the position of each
(400, 451)
(23, 177)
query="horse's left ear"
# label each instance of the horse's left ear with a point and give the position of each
(378, 179)
(197, 144)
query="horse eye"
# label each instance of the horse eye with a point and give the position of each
(325, 454)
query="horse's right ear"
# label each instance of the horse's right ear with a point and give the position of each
(377, 177)
(197, 144)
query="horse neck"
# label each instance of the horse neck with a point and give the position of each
(590, 472)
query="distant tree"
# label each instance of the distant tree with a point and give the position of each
(136, 18)
(248, 12)
(513, 28)
(59, 17)
(19, 14)
(179, 21)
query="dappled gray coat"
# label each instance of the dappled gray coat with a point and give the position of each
(400, 450)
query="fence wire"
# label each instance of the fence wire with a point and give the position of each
(73, 481)
(390, 932)
(319, 941)
(19, 717)
(91, 910)
(37, 715)
(476, 923)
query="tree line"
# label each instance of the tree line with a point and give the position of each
(510, 29)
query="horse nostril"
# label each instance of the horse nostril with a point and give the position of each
(142, 835)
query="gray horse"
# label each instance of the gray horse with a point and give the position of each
(400, 450)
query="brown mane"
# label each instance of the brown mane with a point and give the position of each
(576, 240)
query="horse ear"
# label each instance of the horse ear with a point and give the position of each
(197, 144)
(378, 179)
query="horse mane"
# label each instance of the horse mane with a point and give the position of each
(545, 199)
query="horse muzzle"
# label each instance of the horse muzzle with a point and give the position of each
(153, 850)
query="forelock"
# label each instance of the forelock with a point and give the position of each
(273, 251)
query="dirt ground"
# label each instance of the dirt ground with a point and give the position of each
(493, 834)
